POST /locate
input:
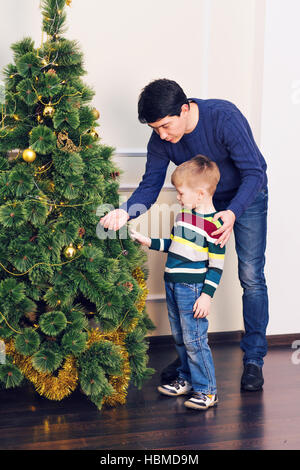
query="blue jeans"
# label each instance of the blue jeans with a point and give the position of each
(250, 231)
(190, 336)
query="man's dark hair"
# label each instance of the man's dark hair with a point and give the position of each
(159, 99)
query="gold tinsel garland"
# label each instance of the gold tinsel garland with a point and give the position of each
(47, 385)
(140, 303)
(119, 382)
(140, 278)
(62, 385)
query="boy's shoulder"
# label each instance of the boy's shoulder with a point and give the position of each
(204, 222)
(213, 225)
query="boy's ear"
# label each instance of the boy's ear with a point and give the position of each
(201, 193)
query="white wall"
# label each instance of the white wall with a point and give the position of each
(127, 44)
(226, 62)
(280, 144)
(214, 49)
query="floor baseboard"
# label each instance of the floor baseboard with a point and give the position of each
(283, 340)
(229, 337)
(213, 338)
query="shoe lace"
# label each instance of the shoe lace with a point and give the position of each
(200, 396)
(177, 383)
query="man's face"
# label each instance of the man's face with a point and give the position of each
(171, 128)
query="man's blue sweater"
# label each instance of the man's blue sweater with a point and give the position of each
(222, 134)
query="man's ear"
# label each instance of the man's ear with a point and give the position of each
(184, 108)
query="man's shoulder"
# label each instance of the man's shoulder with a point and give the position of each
(215, 104)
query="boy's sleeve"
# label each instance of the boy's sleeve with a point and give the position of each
(216, 256)
(160, 244)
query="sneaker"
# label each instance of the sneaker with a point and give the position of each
(200, 401)
(252, 379)
(177, 387)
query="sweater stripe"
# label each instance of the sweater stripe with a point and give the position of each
(193, 228)
(188, 243)
(214, 284)
(185, 270)
(215, 255)
(206, 224)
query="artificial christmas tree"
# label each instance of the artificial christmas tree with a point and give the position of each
(72, 304)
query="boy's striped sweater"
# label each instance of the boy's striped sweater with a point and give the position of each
(193, 256)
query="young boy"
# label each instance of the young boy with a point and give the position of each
(193, 271)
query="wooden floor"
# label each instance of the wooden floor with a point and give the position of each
(242, 420)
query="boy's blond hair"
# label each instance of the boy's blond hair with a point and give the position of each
(196, 173)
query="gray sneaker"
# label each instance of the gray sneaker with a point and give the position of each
(179, 386)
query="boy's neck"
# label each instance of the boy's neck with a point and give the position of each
(206, 206)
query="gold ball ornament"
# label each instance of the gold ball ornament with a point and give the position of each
(51, 186)
(48, 111)
(95, 113)
(29, 155)
(94, 134)
(70, 251)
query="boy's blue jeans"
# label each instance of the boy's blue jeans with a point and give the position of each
(190, 336)
(250, 231)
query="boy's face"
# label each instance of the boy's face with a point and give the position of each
(171, 128)
(188, 197)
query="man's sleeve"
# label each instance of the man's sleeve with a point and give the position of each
(149, 188)
(238, 138)
(160, 244)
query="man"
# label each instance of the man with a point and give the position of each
(183, 128)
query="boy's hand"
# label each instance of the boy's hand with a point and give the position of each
(115, 219)
(146, 241)
(202, 306)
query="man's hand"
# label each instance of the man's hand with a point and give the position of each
(202, 306)
(115, 219)
(228, 218)
(146, 241)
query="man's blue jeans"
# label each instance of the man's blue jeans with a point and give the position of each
(250, 231)
(190, 336)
